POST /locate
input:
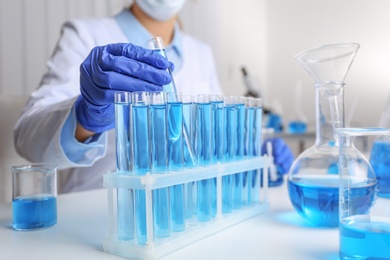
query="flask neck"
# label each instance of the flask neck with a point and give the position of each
(329, 112)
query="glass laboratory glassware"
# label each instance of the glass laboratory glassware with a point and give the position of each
(203, 154)
(159, 161)
(364, 213)
(230, 148)
(124, 163)
(313, 179)
(217, 152)
(34, 196)
(156, 44)
(141, 139)
(175, 157)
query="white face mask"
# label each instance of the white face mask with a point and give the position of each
(160, 10)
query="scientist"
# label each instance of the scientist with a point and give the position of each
(69, 119)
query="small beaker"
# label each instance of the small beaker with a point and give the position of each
(34, 196)
(364, 213)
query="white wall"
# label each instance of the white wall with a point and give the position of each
(263, 35)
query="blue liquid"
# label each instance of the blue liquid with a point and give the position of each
(34, 212)
(175, 162)
(189, 188)
(141, 165)
(297, 127)
(123, 165)
(158, 134)
(257, 133)
(365, 240)
(249, 152)
(316, 199)
(203, 153)
(275, 122)
(230, 147)
(238, 182)
(380, 162)
(217, 150)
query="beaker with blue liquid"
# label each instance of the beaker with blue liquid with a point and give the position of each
(364, 211)
(313, 180)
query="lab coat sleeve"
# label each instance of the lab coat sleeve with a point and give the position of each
(37, 133)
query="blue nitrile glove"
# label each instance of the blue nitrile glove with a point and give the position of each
(283, 157)
(111, 68)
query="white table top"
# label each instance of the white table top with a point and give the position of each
(82, 223)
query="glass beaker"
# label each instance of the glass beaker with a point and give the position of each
(364, 214)
(34, 196)
(313, 179)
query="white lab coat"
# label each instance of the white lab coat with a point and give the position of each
(38, 130)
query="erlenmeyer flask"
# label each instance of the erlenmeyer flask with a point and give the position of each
(313, 181)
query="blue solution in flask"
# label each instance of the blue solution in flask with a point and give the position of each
(159, 142)
(380, 162)
(141, 159)
(175, 159)
(125, 198)
(34, 212)
(230, 146)
(365, 239)
(316, 198)
(203, 152)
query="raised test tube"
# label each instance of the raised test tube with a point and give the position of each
(240, 135)
(230, 149)
(175, 157)
(217, 136)
(203, 153)
(159, 160)
(125, 205)
(157, 45)
(140, 116)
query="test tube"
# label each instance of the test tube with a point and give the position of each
(249, 149)
(230, 149)
(123, 141)
(157, 45)
(140, 116)
(175, 157)
(189, 188)
(240, 135)
(257, 133)
(203, 153)
(217, 136)
(159, 160)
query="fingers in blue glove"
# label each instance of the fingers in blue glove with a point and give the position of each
(283, 157)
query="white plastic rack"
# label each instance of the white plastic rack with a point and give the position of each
(157, 247)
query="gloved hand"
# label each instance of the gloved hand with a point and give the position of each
(111, 68)
(283, 157)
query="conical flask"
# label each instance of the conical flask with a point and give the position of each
(313, 179)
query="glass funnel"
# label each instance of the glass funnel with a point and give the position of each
(313, 177)
(364, 211)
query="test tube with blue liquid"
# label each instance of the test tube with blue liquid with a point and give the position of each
(230, 150)
(240, 135)
(217, 137)
(254, 188)
(175, 157)
(156, 44)
(249, 151)
(189, 188)
(140, 118)
(159, 160)
(124, 164)
(203, 153)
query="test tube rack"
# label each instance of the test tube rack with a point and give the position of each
(157, 248)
